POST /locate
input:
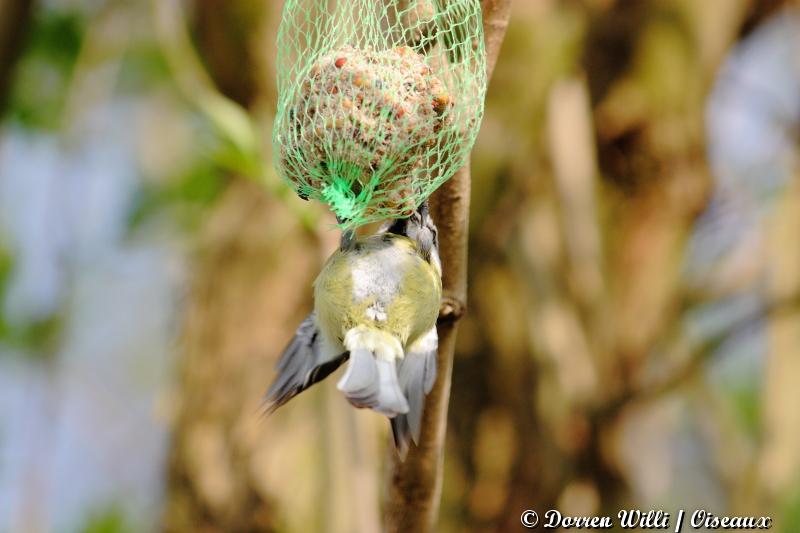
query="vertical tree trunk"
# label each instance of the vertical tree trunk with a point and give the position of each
(244, 296)
(591, 320)
(779, 463)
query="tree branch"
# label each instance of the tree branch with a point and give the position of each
(415, 484)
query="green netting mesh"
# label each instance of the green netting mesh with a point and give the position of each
(379, 101)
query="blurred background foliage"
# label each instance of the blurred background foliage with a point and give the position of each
(633, 333)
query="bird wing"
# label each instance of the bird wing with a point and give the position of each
(302, 364)
(416, 373)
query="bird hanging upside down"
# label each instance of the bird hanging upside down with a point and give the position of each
(376, 302)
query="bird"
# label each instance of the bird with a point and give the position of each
(376, 303)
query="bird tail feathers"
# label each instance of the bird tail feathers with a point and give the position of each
(372, 382)
(416, 375)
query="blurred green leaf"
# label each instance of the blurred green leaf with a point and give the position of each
(199, 187)
(790, 511)
(111, 520)
(6, 267)
(143, 66)
(43, 74)
(56, 35)
(241, 153)
(746, 403)
(38, 337)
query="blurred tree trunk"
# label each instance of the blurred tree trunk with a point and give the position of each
(243, 298)
(225, 35)
(779, 462)
(580, 227)
(601, 206)
(252, 256)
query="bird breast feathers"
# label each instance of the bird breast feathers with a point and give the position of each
(386, 284)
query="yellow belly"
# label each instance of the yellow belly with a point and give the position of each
(382, 283)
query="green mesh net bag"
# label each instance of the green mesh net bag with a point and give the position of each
(379, 101)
